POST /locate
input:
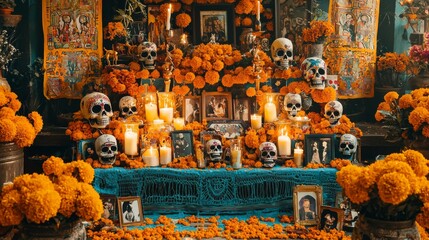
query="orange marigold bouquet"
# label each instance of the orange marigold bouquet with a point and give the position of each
(406, 117)
(318, 31)
(63, 193)
(391, 69)
(393, 189)
(18, 129)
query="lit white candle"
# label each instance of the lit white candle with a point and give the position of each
(151, 111)
(165, 155)
(270, 112)
(236, 157)
(179, 123)
(158, 123)
(167, 23)
(256, 121)
(298, 154)
(166, 114)
(258, 10)
(131, 143)
(151, 157)
(284, 144)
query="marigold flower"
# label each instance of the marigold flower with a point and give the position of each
(390, 96)
(25, 133)
(7, 113)
(8, 130)
(36, 120)
(212, 77)
(183, 20)
(393, 188)
(247, 21)
(250, 92)
(53, 165)
(199, 82)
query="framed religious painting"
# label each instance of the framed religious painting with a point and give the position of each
(216, 105)
(130, 211)
(213, 23)
(319, 148)
(307, 200)
(191, 109)
(331, 218)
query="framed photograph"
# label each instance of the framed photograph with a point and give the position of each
(182, 143)
(307, 200)
(217, 105)
(109, 206)
(191, 109)
(242, 109)
(331, 218)
(319, 148)
(229, 128)
(214, 23)
(130, 211)
(86, 149)
(350, 214)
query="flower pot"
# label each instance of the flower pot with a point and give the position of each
(368, 228)
(71, 230)
(419, 81)
(11, 162)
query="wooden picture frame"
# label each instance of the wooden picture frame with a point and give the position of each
(216, 105)
(213, 20)
(191, 109)
(110, 206)
(319, 148)
(86, 149)
(130, 211)
(307, 200)
(229, 128)
(242, 109)
(331, 218)
(182, 142)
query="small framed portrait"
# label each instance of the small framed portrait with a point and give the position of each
(217, 106)
(331, 218)
(307, 200)
(182, 142)
(214, 23)
(350, 214)
(130, 211)
(86, 149)
(229, 128)
(109, 206)
(319, 148)
(192, 109)
(242, 109)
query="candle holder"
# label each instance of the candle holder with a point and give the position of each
(150, 155)
(165, 153)
(298, 154)
(235, 150)
(166, 103)
(131, 139)
(151, 107)
(256, 121)
(270, 107)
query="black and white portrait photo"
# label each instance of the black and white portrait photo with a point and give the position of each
(130, 210)
(319, 148)
(242, 109)
(217, 106)
(306, 202)
(331, 218)
(192, 109)
(182, 143)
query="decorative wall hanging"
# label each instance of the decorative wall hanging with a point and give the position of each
(73, 46)
(351, 53)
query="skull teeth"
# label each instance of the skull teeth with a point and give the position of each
(108, 160)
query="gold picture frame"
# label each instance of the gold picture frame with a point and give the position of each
(307, 200)
(130, 211)
(331, 218)
(216, 105)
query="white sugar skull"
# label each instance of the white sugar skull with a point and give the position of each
(333, 112)
(106, 147)
(149, 55)
(293, 104)
(268, 154)
(128, 106)
(314, 70)
(282, 52)
(348, 144)
(96, 108)
(214, 150)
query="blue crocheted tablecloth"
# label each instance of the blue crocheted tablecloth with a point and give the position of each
(214, 190)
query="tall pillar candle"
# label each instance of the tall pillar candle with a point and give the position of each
(151, 111)
(165, 155)
(258, 10)
(284, 145)
(166, 114)
(131, 142)
(270, 112)
(298, 155)
(256, 121)
(167, 23)
(236, 158)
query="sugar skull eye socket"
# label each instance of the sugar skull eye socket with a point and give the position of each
(321, 71)
(272, 154)
(107, 107)
(288, 53)
(105, 149)
(153, 54)
(113, 148)
(126, 109)
(145, 54)
(96, 109)
(134, 109)
(280, 52)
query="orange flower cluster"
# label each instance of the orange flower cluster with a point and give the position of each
(123, 82)
(385, 187)
(114, 30)
(318, 31)
(64, 189)
(339, 163)
(183, 20)
(322, 126)
(18, 129)
(412, 107)
(292, 72)
(323, 96)
(394, 61)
